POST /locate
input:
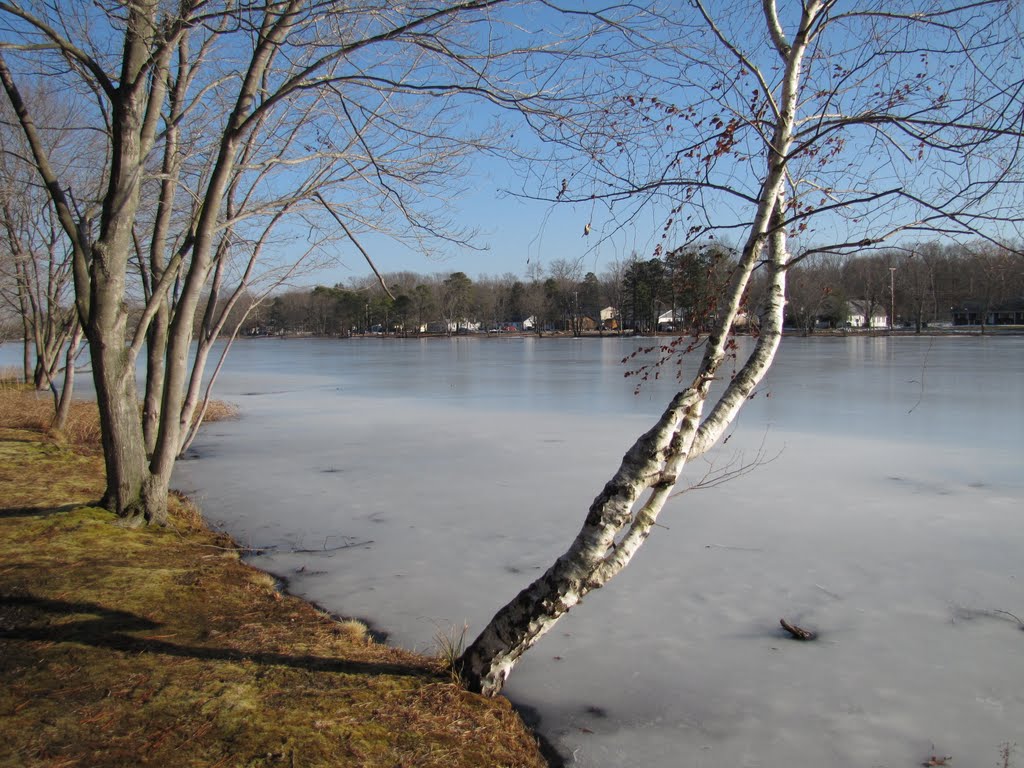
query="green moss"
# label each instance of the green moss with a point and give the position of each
(159, 647)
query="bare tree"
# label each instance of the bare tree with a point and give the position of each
(36, 276)
(227, 125)
(613, 283)
(916, 271)
(831, 125)
(564, 293)
(37, 283)
(813, 289)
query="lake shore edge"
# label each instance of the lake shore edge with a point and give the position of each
(129, 646)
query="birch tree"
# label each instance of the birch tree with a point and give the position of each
(230, 128)
(810, 127)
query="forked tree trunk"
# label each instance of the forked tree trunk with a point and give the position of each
(620, 519)
(168, 434)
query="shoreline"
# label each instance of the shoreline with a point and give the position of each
(795, 333)
(122, 646)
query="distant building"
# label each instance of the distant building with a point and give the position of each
(1008, 313)
(670, 320)
(974, 312)
(450, 326)
(857, 315)
(610, 318)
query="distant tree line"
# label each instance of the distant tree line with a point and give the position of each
(922, 284)
(914, 286)
(562, 297)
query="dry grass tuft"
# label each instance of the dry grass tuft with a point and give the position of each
(82, 428)
(263, 580)
(218, 410)
(22, 407)
(184, 514)
(353, 630)
(449, 645)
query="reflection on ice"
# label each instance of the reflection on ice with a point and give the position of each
(889, 523)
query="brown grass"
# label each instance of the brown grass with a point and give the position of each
(218, 410)
(22, 407)
(160, 647)
(9, 377)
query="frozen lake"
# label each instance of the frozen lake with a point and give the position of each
(889, 520)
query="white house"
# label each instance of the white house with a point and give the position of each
(856, 315)
(450, 326)
(610, 318)
(667, 321)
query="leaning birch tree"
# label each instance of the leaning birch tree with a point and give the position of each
(232, 126)
(814, 127)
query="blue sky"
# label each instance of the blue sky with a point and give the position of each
(516, 234)
(513, 234)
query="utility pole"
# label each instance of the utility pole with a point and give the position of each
(892, 298)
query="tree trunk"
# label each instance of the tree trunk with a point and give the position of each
(67, 392)
(168, 438)
(123, 449)
(618, 522)
(26, 350)
(489, 660)
(156, 347)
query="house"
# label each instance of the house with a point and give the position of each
(856, 315)
(745, 321)
(670, 320)
(1008, 313)
(973, 312)
(968, 313)
(610, 318)
(450, 326)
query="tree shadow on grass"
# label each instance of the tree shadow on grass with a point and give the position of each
(42, 511)
(26, 617)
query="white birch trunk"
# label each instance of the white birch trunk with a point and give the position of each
(620, 519)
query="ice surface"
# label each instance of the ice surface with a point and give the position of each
(889, 521)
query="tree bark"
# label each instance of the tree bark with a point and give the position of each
(67, 392)
(123, 448)
(620, 520)
(156, 347)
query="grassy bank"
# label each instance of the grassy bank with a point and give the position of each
(160, 647)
